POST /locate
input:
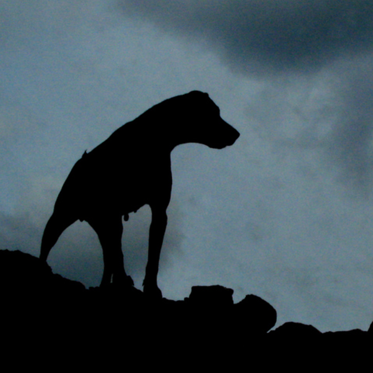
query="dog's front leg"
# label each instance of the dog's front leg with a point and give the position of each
(156, 234)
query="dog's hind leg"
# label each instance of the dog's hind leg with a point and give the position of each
(109, 230)
(57, 223)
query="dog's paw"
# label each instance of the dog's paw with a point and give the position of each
(123, 282)
(152, 292)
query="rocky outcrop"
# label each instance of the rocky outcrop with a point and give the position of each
(34, 300)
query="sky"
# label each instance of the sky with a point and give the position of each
(285, 213)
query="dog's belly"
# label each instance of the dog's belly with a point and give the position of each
(132, 198)
(131, 206)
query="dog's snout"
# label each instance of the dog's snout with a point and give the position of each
(235, 135)
(226, 136)
(231, 134)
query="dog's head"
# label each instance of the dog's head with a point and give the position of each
(203, 123)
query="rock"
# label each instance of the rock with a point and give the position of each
(255, 314)
(211, 296)
(37, 302)
(212, 310)
(295, 330)
(370, 330)
(26, 275)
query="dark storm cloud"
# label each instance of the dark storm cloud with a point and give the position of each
(17, 232)
(271, 39)
(328, 116)
(263, 36)
(351, 139)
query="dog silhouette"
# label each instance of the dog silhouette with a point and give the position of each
(130, 169)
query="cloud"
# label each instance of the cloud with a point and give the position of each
(271, 36)
(351, 138)
(323, 122)
(313, 58)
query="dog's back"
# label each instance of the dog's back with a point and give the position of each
(118, 176)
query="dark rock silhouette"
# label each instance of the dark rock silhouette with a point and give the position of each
(28, 275)
(130, 169)
(205, 327)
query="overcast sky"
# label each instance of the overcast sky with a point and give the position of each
(285, 213)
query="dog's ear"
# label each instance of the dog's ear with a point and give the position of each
(198, 93)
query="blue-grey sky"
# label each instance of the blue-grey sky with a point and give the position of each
(285, 213)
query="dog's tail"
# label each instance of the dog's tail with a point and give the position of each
(57, 223)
